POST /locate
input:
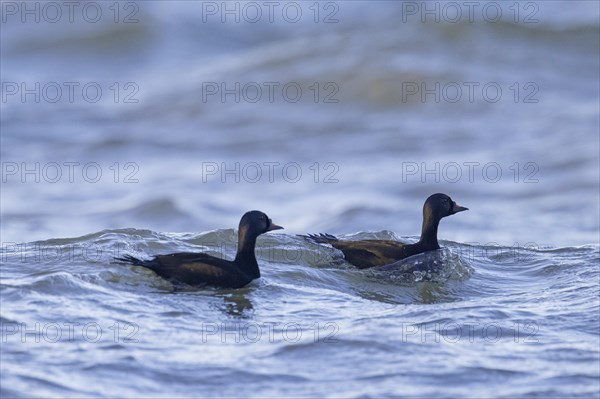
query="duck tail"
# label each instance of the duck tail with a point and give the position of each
(319, 238)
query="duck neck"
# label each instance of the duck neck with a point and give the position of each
(245, 253)
(429, 232)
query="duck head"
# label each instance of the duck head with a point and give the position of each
(439, 205)
(255, 223)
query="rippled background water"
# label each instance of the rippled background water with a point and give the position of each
(155, 162)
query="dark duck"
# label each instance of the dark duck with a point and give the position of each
(370, 253)
(202, 269)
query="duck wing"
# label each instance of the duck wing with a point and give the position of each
(371, 253)
(368, 253)
(194, 269)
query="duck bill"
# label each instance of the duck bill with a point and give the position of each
(457, 208)
(273, 226)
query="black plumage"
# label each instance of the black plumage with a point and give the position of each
(370, 253)
(203, 269)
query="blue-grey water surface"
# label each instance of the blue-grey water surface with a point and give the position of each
(153, 129)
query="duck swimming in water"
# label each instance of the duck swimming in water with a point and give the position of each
(371, 253)
(203, 269)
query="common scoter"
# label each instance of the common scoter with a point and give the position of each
(370, 253)
(203, 269)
